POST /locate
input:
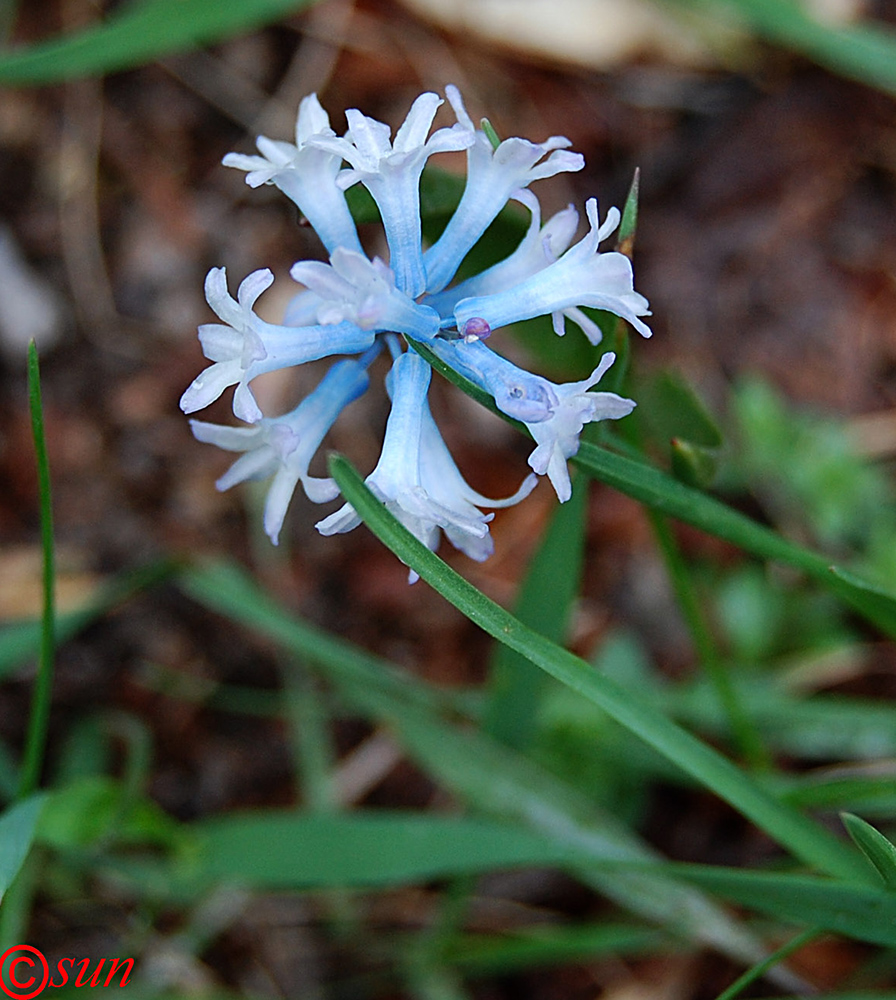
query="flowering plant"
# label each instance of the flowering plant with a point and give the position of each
(358, 306)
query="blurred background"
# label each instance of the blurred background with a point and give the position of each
(766, 245)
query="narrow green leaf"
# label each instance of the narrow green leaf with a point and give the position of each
(543, 946)
(662, 492)
(39, 716)
(489, 776)
(865, 51)
(666, 494)
(544, 603)
(877, 604)
(138, 33)
(806, 840)
(762, 968)
(874, 845)
(17, 827)
(857, 911)
(693, 464)
(292, 850)
(672, 408)
(628, 224)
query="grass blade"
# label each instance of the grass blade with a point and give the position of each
(138, 33)
(294, 850)
(17, 827)
(806, 840)
(858, 911)
(865, 52)
(875, 846)
(36, 737)
(668, 495)
(544, 603)
(489, 776)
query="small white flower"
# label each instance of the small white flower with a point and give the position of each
(541, 246)
(306, 174)
(244, 346)
(390, 170)
(283, 447)
(557, 438)
(493, 176)
(416, 477)
(554, 414)
(581, 277)
(353, 288)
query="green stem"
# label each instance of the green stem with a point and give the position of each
(36, 739)
(807, 840)
(742, 728)
(760, 969)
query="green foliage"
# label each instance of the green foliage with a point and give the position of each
(875, 846)
(556, 762)
(138, 33)
(865, 51)
(17, 826)
(807, 473)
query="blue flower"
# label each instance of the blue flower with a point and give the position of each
(244, 346)
(307, 174)
(554, 414)
(493, 177)
(390, 170)
(354, 304)
(416, 477)
(581, 277)
(283, 447)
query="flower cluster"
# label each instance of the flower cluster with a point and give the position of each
(358, 306)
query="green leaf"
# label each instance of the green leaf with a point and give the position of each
(857, 911)
(138, 33)
(628, 224)
(291, 850)
(489, 776)
(544, 603)
(662, 492)
(543, 946)
(693, 464)
(17, 826)
(672, 409)
(865, 51)
(874, 845)
(806, 840)
(93, 808)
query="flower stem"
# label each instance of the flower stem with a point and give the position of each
(36, 739)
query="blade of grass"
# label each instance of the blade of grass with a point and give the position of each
(865, 51)
(376, 848)
(488, 775)
(663, 493)
(36, 737)
(544, 946)
(666, 494)
(138, 33)
(544, 603)
(742, 727)
(761, 968)
(17, 826)
(879, 851)
(860, 911)
(805, 839)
